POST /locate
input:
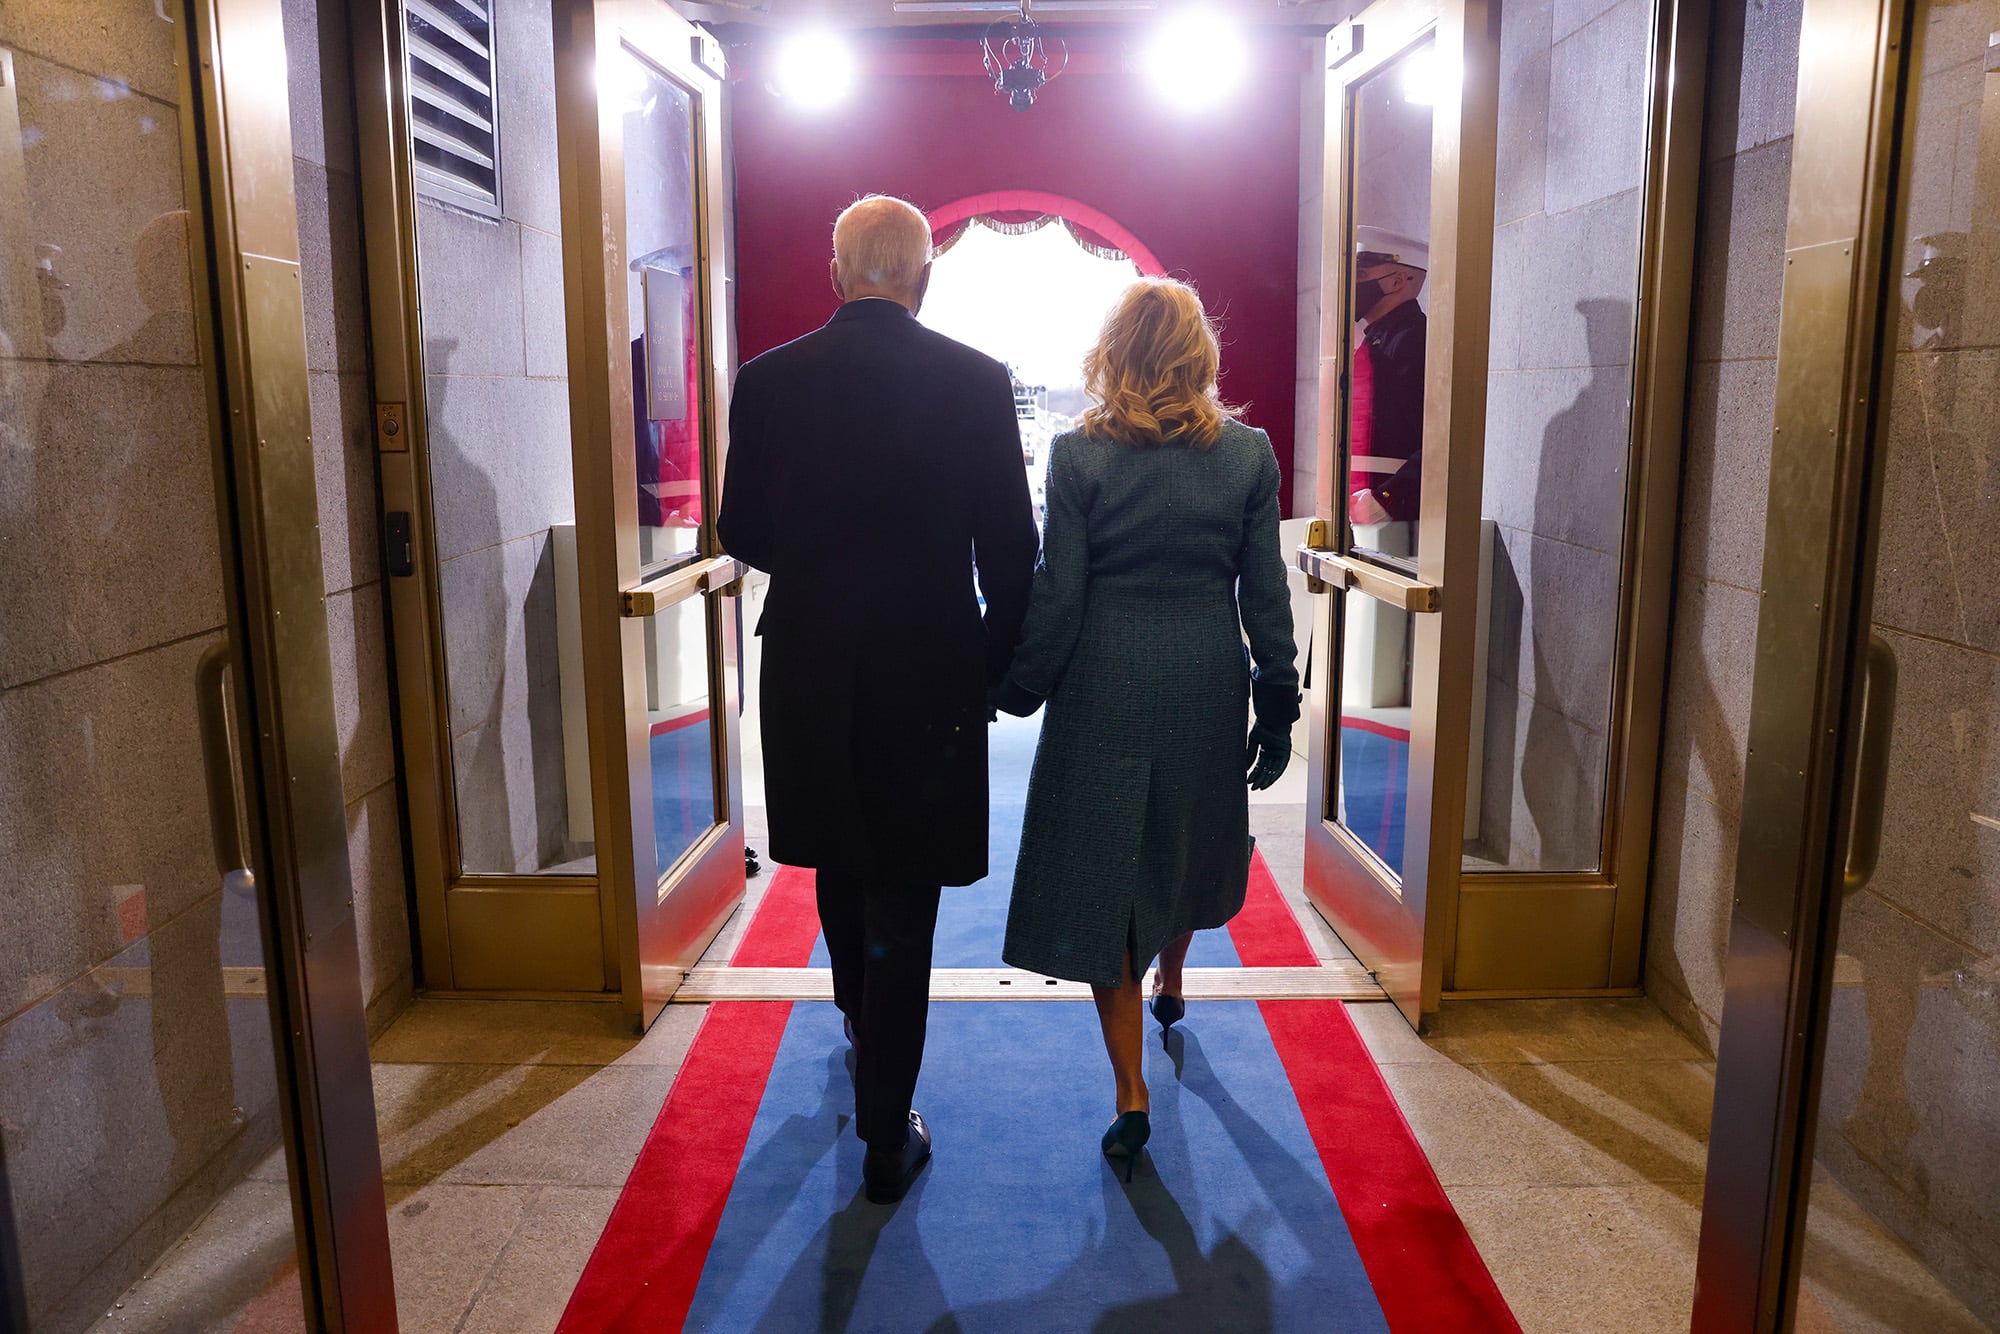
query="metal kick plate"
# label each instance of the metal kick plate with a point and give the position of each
(1340, 980)
(1806, 452)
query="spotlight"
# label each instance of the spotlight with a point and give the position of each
(1195, 59)
(814, 69)
(1428, 78)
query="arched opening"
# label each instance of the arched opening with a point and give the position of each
(1027, 278)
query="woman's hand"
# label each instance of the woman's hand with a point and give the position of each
(1269, 751)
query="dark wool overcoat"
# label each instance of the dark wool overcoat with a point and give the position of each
(1156, 565)
(870, 463)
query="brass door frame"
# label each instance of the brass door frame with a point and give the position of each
(1402, 933)
(1498, 940)
(249, 308)
(478, 932)
(1610, 904)
(13, 1284)
(652, 933)
(1850, 164)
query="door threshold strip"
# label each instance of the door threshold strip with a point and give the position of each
(1339, 980)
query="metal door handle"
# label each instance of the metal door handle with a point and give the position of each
(218, 762)
(1871, 779)
(1329, 569)
(713, 575)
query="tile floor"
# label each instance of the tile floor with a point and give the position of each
(1570, 1135)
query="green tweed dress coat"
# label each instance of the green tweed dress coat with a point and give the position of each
(1156, 566)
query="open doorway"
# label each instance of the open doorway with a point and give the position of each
(1032, 294)
(1029, 288)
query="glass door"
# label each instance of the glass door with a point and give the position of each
(1855, 1159)
(1408, 241)
(186, 1119)
(638, 94)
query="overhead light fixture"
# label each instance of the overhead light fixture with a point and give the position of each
(1008, 6)
(1022, 59)
(815, 68)
(1195, 58)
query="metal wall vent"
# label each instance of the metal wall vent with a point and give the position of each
(454, 127)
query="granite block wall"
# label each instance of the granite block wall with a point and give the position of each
(1909, 1122)
(1909, 1117)
(1568, 179)
(1739, 274)
(324, 175)
(498, 402)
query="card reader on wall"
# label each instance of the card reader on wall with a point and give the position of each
(397, 540)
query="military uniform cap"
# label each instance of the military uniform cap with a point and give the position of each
(1378, 245)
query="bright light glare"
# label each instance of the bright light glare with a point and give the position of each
(625, 81)
(1426, 78)
(1035, 301)
(1196, 60)
(815, 69)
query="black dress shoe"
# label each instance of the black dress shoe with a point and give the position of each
(887, 1173)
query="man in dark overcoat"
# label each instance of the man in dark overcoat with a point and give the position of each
(872, 463)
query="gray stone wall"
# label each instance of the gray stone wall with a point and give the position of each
(1306, 412)
(1910, 1108)
(1746, 182)
(1909, 1122)
(136, 1072)
(1569, 178)
(498, 400)
(324, 175)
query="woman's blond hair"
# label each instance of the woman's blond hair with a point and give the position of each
(1151, 374)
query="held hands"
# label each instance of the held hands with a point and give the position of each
(1269, 751)
(1010, 697)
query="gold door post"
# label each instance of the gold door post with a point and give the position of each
(265, 481)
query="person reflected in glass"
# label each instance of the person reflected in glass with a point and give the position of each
(1160, 556)
(1386, 390)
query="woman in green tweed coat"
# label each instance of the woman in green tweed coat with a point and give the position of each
(1159, 559)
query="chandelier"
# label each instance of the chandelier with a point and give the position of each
(1021, 59)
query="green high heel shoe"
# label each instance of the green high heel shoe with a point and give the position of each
(1127, 1135)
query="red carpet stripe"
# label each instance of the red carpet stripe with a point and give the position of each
(782, 933)
(1390, 730)
(1426, 1272)
(643, 1273)
(646, 1267)
(1266, 933)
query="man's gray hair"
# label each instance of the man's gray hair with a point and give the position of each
(881, 244)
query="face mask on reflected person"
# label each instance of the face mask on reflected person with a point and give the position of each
(1367, 292)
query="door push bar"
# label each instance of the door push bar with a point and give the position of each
(218, 763)
(1327, 569)
(1871, 781)
(721, 575)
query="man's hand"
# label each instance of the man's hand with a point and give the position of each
(1363, 507)
(1268, 752)
(1009, 697)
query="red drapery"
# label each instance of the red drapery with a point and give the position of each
(1016, 211)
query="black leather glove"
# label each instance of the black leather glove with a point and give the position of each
(1268, 752)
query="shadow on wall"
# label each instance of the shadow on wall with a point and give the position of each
(133, 1090)
(1554, 777)
(496, 596)
(1908, 1117)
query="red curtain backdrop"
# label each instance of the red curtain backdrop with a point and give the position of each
(1213, 196)
(1093, 229)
